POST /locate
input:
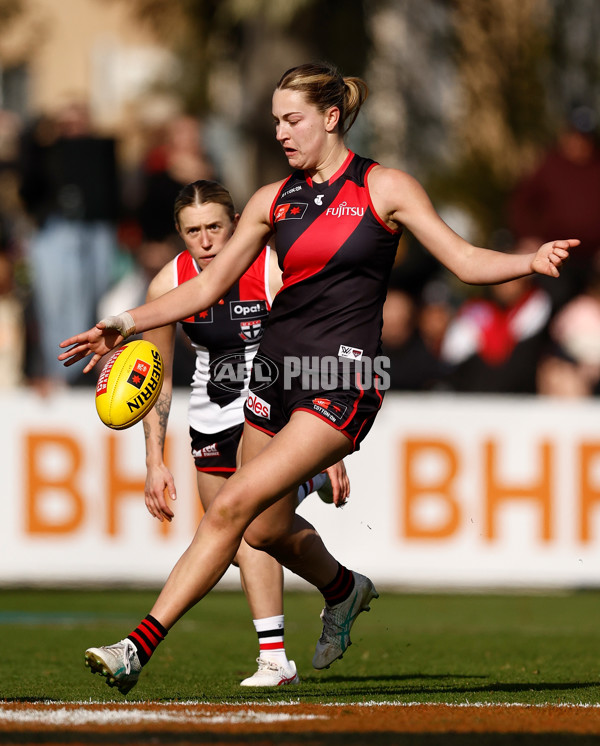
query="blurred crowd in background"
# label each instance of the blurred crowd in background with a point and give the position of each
(82, 234)
(534, 335)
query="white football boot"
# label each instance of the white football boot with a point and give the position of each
(338, 621)
(119, 663)
(272, 674)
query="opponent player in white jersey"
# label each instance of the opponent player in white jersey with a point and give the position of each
(226, 339)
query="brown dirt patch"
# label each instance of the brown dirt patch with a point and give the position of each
(264, 724)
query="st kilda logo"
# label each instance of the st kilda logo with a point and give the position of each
(251, 331)
(249, 313)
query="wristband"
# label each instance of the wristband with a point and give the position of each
(123, 323)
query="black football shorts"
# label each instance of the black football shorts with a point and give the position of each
(216, 452)
(347, 406)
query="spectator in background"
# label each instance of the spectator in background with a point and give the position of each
(560, 197)
(69, 187)
(148, 258)
(558, 375)
(10, 206)
(176, 160)
(12, 328)
(437, 309)
(571, 367)
(494, 343)
(17, 330)
(411, 337)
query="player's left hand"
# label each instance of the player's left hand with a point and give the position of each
(340, 483)
(159, 485)
(552, 255)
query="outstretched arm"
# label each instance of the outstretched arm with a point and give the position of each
(197, 294)
(401, 201)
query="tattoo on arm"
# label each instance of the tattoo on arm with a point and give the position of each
(162, 408)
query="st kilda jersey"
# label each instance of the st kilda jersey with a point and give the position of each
(336, 255)
(225, 338)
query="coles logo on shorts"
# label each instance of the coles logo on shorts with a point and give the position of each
(259, 406)
(333, 411)
(354, 353)
(138, 374)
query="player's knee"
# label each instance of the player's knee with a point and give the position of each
(228, 509)
(261, 538)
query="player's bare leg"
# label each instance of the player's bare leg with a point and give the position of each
(261, 576)
(272, 471)
(268, 474)
(343, 602)
(262, 582)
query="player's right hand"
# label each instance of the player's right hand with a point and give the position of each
(96, 341)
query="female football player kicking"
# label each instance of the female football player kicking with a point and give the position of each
(225, 339)
(335, 222)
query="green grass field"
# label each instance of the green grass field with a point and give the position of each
(452, 648)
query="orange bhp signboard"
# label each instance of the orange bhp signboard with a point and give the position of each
(447, 491)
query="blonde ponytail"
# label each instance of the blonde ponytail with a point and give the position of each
(355, 95)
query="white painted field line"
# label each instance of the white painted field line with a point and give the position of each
(291, 703)
(136, 716)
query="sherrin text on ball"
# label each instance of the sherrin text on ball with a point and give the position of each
(129, 384)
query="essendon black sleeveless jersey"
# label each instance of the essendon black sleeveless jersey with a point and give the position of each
(225, 338)
(336, 255)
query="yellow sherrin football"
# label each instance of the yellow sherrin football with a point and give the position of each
(129, 384)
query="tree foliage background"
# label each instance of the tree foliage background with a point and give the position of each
(464, 93)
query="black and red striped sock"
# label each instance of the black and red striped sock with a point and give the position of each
(146, 637)
(340, 587)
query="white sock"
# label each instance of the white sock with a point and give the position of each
(312, 485)
(270, 639)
